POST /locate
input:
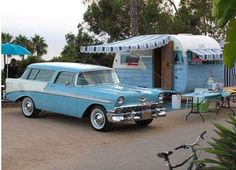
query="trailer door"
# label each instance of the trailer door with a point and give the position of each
(167, 66)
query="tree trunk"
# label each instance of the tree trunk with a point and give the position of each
(133, 18)
(173, 4)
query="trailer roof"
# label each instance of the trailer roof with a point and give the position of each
(182, 42)
(188, 42)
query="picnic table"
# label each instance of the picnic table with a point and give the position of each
(232, 90)
(205, 96)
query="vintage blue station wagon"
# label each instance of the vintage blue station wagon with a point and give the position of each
(83, 90)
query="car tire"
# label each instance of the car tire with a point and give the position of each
(143, 123)
(98, 119)
(28, 108)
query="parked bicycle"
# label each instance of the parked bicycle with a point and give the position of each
(193, 156)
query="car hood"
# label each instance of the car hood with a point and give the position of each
(132, 94)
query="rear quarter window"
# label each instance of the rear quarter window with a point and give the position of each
(44, 75)
(65, 77)
(26, 73)
(32, 74)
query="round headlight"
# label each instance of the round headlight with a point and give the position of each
(120, 101)
(160, 97)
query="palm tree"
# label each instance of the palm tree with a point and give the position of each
(6, 38)
(39, 45)
(24, 41)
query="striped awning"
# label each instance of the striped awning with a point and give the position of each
(208, 54)
(143, 42)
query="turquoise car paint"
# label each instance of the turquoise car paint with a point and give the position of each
(73, 99)
(70, 67)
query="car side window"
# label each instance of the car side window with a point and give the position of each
(66, 78)
(82, 80)
(26, 73)
(32, 74)
(44, 75)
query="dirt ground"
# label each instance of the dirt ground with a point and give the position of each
(59, 142)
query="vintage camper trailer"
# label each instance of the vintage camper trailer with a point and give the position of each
(177, 63)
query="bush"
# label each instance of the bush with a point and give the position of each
(24, 63)
(224, 147)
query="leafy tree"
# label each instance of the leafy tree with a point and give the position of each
(39, 45)
(6, 38)
(109, 16)
(225, 13)
(194, 16)
(101, 15)
(154, 17)
(71, 51)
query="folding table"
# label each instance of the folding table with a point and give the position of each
(205, 96)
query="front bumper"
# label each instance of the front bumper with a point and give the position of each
(135, 115)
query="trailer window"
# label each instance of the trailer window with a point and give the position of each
(193, 58)
(129, 60)
(178, 56)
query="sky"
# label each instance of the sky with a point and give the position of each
(51, 19)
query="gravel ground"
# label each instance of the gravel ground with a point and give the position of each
(59, 142)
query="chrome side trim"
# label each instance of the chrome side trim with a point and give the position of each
(66, 95)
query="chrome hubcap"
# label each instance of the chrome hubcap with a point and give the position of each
(28, 106)
(97, 119)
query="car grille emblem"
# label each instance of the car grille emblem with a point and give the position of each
(142, 99)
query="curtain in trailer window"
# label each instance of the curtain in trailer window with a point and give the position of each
(178, 56)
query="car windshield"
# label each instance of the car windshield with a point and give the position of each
(97, 77)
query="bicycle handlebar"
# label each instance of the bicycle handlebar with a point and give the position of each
(202, 135)
(186, 146)
(181, 146)
(193, 155)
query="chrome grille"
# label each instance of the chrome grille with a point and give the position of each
(137, 108)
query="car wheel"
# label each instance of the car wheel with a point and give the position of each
(98, 119)
(143, 123)
(28, 108)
